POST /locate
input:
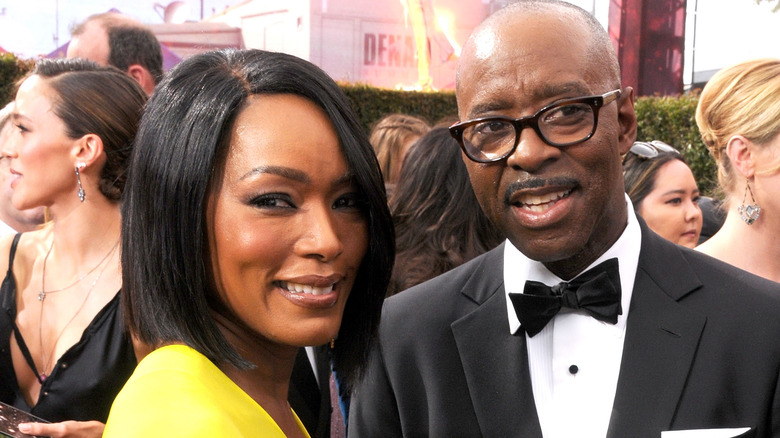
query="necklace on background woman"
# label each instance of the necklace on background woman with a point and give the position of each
(43, 292)
(42, 375)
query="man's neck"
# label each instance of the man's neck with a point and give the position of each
(570, 267)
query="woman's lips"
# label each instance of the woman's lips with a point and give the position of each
(313, 292)
(14, 179)
(305, 288)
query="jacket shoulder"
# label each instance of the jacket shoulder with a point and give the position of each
(692, 277)
(449, 295)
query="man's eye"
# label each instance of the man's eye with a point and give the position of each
(567, 114)
(493, 127)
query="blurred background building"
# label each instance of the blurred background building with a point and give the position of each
(411, 44)
(415, 44)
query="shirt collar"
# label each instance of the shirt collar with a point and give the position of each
(518, 268)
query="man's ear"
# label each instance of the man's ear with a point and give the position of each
(740, 151)
(142, 76)
(88, 150)
(626, 120)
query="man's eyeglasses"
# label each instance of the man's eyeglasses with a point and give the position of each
(651, 149)
(560, 124)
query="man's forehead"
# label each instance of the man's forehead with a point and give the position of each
(531, 22)
(484, 43)
(525, 60)
(524, 82)
(511, 33)
(505, 95)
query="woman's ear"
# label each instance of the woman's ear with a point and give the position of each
(89, 149)
(740, 151)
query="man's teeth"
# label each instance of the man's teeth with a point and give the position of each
(537, 204)
(305, 288)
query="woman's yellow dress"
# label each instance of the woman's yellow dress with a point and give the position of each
(176, 391)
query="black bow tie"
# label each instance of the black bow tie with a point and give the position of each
(596, 291)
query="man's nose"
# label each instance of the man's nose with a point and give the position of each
(531, 152)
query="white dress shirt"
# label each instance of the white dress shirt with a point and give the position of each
(575, 360)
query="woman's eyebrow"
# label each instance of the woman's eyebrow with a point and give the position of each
(285, 172)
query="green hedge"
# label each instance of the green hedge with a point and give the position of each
(372, 104)
(11, 70)
(670, 119)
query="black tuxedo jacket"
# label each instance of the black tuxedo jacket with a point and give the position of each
(702, 350)
(310, 401)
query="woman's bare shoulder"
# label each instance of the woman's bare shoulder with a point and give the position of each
(28, 248)
(5, 250)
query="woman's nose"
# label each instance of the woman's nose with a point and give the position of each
(320, 238)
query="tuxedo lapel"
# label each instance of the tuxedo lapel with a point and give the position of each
(661, 341)
(310, 400)
(495, 363)
(322, 358)
(304, 393)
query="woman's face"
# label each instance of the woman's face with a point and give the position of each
(40, 154)
(286, 229)
(671, 209)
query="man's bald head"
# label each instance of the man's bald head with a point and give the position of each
(486, 38)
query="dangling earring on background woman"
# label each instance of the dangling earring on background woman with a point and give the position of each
(749, 212)
(82, 195)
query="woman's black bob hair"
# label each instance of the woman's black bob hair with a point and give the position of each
(181, 145)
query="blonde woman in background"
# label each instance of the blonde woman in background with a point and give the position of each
(739, 119)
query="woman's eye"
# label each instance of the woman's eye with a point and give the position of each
(22, 128)
(674, 201)
(272, 201)
(351, 200)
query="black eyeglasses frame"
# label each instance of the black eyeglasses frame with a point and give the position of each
(596, 102)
